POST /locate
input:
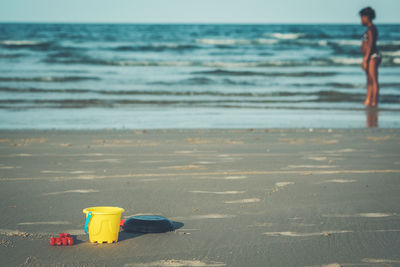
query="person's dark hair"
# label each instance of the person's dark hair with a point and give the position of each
(369, 12)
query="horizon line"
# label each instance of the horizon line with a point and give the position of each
(205, 23)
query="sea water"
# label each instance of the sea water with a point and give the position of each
(148, 76)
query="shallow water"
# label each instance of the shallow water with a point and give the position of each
(192, 76)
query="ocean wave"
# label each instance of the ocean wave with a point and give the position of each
(232, 42)
(265, 41)
(346, 42)
(267, 74)
(332, 85)
(47, 79)
(230, 64)
(349, 60)
(286, 36)
(207, 41)
(11, 55)
(391, 53)
(190, 81)
(155, 47)
(346, 60)
(21, 44)
(281, 97)
(94, 61)
(203, 81)
(249, 95)
(183, 63)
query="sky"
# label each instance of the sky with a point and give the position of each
(196, 11)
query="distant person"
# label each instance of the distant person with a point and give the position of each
(372, 57)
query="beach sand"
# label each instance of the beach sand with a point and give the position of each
(238, 197)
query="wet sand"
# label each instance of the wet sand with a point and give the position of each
(240, 197)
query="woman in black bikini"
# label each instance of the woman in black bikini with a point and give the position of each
(372, 57)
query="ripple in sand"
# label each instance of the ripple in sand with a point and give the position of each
(205, 162)
(365, 215)
(283, 184)
(318, 158)
(9, 167)
(101, 160)
(370, 260)
(243, 201)
(176, 263)
(80, 191)
(186, 167)
(340, 181)
(44, 223)
(345, 150)
(310, 166)
(149, 180)
(71, 172)
(297, 234)
(235, 177)
(22, 155)
(205, 216)
(218, 193)
(184, 151)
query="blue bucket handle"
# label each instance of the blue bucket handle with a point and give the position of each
(87, 221)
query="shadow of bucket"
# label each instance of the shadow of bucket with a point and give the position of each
(102, 223)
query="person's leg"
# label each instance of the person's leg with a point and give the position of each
(373, 73)
(367, 101)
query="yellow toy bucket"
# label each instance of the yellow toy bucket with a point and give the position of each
(102, 223)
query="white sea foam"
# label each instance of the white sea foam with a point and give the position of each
(286, 36)
(266, 41)
(323, 42)
(392, 53)
(348, 42)
(347, 60)
(259, 41)
(18, 42)
(222, 41)
(230, 64)
(388, 43)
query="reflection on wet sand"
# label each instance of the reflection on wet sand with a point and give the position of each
(372, 117)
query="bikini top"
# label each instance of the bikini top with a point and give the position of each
(374, 48)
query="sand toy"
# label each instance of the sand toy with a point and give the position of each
(147, 224)
(102, 224)
(64, 239)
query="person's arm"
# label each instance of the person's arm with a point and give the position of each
(368, 50)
